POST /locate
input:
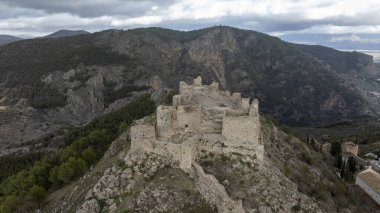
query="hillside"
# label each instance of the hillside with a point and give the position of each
(5, 39)
(191, 162)
(48, 83)
(292, 176)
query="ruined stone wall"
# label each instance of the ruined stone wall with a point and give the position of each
(167, 149)
(188, 119)
(245, 128)
(254, 109)
(214, 86)
(212, 121)
(176, 100)
(143, 137)
(236, 98)
(326, 148)
(198, 81)
(185, 91)
(245, 103)
(164, 121)
(237, 125)
(187, 151)
(217, 144)
(350, 147)
(214, 193)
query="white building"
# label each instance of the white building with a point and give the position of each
(369, 181)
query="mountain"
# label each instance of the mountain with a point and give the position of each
(5, 39)
(293, 177)
(48, 83)
(65, 33)
(346, 41)
(367, 43)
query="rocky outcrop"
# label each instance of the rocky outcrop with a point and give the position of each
(138, 183)
(214, 192)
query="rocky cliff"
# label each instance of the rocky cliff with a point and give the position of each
(73, 79)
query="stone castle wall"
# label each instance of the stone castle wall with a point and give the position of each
(237, 123)
(142, 138)
(170, 150)
(240, 128)
(188, 118)
(165, 121)
(350, 147)
(203, 119)
(174, 119)
(217, 144)
(210, 188)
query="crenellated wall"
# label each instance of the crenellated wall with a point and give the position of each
(203, 119)
(181, 129)
(245, 103)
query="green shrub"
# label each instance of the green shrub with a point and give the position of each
(38, 193)
(89, 155)
(296, 208)
(4, 208)
(13, 163)
(168, 100)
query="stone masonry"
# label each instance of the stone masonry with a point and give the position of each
(203, 118)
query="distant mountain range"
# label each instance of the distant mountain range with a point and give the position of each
(6, 39)
(368, 43)
(65, 33)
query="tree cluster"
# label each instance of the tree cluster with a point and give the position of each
(85, 146)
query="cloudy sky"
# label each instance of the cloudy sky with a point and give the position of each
(355, 21)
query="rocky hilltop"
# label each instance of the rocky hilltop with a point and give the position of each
(201, 124)
(71, 80)
(195, 158)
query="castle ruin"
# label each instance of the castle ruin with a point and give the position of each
(203, 118)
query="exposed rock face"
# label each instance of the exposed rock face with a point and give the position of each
(137, 186)
(214, 192)
(86, 90)
(97, 72)
(260, 185)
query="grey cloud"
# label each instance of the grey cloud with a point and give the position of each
(90, 8)
(45, 16)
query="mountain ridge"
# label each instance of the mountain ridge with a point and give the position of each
(66, 33)
(93, 72)
(6, 39)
